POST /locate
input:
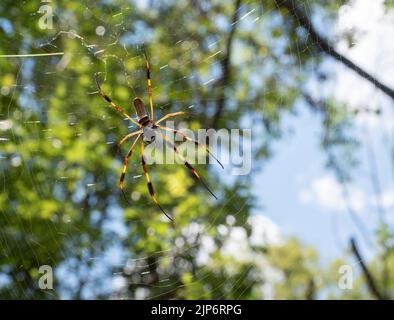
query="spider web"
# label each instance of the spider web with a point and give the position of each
(108, 274)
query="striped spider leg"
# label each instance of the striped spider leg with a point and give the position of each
(170, 115)
(125, 162)
(113, 104)
(187, 164)
(147, 66)
(198, 144)
(149, 182)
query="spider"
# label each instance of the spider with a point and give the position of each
(148, 127)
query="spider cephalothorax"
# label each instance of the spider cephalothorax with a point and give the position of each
(148, 128)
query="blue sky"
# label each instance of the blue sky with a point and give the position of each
(297, 160)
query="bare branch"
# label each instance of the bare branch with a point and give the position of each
(226, 67)
(324, 46)
(372, 286)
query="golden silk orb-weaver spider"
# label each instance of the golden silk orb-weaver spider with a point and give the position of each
(148, 127)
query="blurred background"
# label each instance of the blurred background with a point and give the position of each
(312, 220)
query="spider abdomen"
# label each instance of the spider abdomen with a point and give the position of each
(140, 110)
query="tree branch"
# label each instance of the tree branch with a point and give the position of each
(373, 288)
(324, 46)
(226, 67)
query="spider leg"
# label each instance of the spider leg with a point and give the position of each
(149, 84)
(113, 104)
(170, 115)
(129, 136)
(149, 182)
(126, 160)
(192, 140)
(125, 138)
(187, 164)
